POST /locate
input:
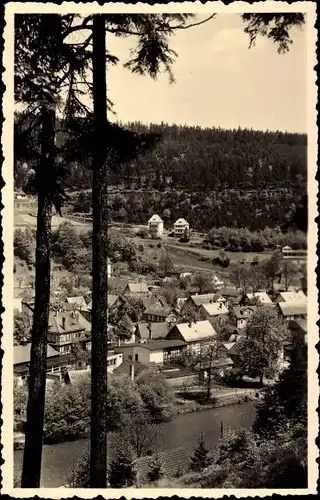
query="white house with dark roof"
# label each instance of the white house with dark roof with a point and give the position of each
(153, 351)
(159, 313)
(179, 227)
(155, 226)
(194, 334)
(242, 314)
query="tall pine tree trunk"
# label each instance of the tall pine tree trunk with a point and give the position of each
(38, 360)
(98, 457)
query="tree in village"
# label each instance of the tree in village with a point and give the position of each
(47, 50)
(156, 470)
(272, 269)
(166, 265)
(290, 271)
(203, 283)
(122, 472)
(260, 352)
(138, 437)
(123, 329)
(24, 245)
(202, 456)
(21, 331)
(39, 62)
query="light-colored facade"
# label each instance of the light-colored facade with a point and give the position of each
(113, 361)
(179, 227)
(155, 226)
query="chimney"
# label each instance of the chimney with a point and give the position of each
(131, 371)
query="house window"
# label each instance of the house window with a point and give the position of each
(136, 357)
(130, 357)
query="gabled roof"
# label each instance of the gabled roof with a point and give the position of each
(262, 296)
(77, 301)
(21, 353)
(162, 311)
(65, 322)
(239, 311)
(181, 222)
(140, 287)
(124, 368)
(155, 218)
(200, 330)
(228, 345)
(205, 298)
(293, 308)
(293, 296)
(215, 309)
(149, 301)
(158, 330)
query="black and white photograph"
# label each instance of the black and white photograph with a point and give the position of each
(159, 235)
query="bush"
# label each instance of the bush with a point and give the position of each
(143, 233)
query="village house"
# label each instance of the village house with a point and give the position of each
(209, 311)
(159, 314)
(76, 303)
(114, 360)
(21, 362)
(155, 226)
(232, 295)
(156, 351)
(299, 330)
(242, 314)
(195, 301)
(180, 227)
(263, 298)
(292, 296)
(195, 335)
(139, 289)
(151, 331)
(290, 311)
(217, 283)
(67, 329)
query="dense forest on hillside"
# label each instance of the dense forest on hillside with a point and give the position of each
(212, 177)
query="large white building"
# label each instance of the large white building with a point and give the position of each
(155, 226)
(179, 227)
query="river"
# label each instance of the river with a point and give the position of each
(183, 431)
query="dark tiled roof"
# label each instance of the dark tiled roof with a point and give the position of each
(158, 329)
(238, 311)
(162, 311)
(173, 462)
(21, 353)
(124, 368)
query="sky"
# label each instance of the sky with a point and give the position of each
(219, 81)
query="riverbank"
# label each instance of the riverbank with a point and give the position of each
(182, 431)
(181, 408)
